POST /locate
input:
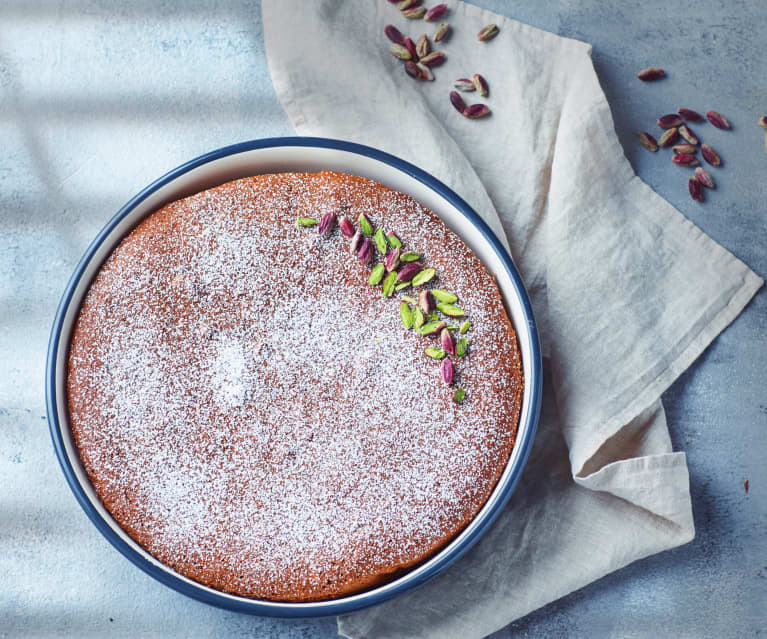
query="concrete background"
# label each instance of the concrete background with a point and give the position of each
(99, 98)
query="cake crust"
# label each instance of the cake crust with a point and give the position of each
(254, 414)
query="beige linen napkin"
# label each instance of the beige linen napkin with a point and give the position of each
(626, 290)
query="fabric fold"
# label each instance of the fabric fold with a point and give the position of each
(627, 292)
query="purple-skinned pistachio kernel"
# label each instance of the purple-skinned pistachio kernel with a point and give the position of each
(410, 46)
(669, 120)
(399, 51)
(696, 191)
(487, 33)
(416, 13)
(480, 84)
(685, 159)
(411, 68)
(394, 34)
(392, 260)
(476, 111)
(687, 134)
(426, 73)
(704, 178)
(448, 341)
(690, 115)
(327, 223)
(651, 74)
(404, 5)
(457, 101)
(423, 46)
(408, 272)
(718, 120)
(710, 156)
(443, 30)
(366, 251)
(447, 370)
(434, 59)
(432, 328)
(356, 242)
(465, 84)
(346, 227)
(427, 302)
(435, 13)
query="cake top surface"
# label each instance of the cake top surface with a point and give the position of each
(256, 415)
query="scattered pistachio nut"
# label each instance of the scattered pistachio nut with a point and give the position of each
(380, 240)
(651, 74)
(487, 33)
(416, 13)
(685, 159)
(434, 59)
(451, 310)
(376, 275)
(400, 51)
(306, 221)
(647, 141)
(409, 300)
(327, 223)
(410, 46)
(465, 327)
(418, 319)
(464, 84)
(426, 73)
(447, 371)
(435, 13)
(480, 84)
(476, 111)
(394, 34)
(704, 178)
(457, 101)
(432, 328)
(434, 353)
(690, 115)
(388, 284)
(356, 242)
(718, 120)
(461, 347)
(391, 263)
(687, 134)
(346, 227)
(763, 122)
(393, 240)
(409, 256)
(447, 341)
(459, 395)
(411, 68)
(366, 251)
(444, 296)
(408, 272)
(365, 224)
(427, 302)
(696, 190)
(424, 276)
(423, 46)
(710, 156)
(684, 148)
(399, 287)
(443, 30)
(669, 137)
(406, 315)
(669, 120)
(404, 5)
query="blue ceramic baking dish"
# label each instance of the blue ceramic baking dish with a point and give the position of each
(273, 156)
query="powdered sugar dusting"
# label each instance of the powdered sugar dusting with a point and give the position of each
(254, 413)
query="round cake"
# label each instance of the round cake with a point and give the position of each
(293, 387)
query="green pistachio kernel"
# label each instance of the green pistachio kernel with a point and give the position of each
(444, 296)
(376, 275)
(406, 315)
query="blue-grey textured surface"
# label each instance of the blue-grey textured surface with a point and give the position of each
(99, 98)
